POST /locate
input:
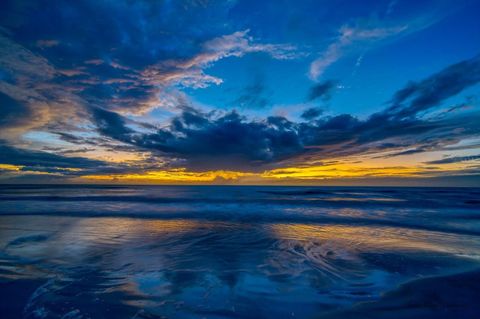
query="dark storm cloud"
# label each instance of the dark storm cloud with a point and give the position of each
(322, 90)
(432, 91)
(456, 159)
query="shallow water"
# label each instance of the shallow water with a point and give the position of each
(230, 252)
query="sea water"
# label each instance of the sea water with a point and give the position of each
(238, 252)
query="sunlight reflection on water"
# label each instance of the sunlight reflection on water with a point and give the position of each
(183, 267)
(235, 263)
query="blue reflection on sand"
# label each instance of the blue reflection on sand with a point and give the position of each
(244, 252)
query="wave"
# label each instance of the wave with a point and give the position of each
(258, 218)
(332, 201)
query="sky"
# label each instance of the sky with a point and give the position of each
(240, 92)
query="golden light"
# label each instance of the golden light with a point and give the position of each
(8, 167)
(173, 175)
(338, 169)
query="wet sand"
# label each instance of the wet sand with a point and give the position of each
(132, 252)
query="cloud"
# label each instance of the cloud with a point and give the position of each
(47, 43)
(43, 160)
(240, 43)
(347, 37)
(48, 87)
(432, 91)
(227, 140)
(190, 72)
(76, 151)
(129, 90)
(322, 90)
(110, 123)
(450, 160)
(29, 95)
(407, 152)
(126, 68)
(20, 163)
(211, 140)
(86, 87)
(254, 96)
(12, 112)
(312, 113)
(24, 64)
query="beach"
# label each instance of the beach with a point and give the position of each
(244, 252)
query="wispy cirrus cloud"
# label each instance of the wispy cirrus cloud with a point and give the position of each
(349, 36)
(237, 44)
(190, 73)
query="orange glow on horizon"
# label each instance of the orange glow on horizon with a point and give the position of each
(341, 171)
(174, 175)
(306, 173)
(9, 167)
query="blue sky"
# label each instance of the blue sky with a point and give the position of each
(121, 88)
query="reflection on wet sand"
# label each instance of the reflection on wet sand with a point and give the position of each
(378, 238)
(236, 252)
(186, 268)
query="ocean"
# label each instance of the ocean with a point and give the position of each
(89, 251)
